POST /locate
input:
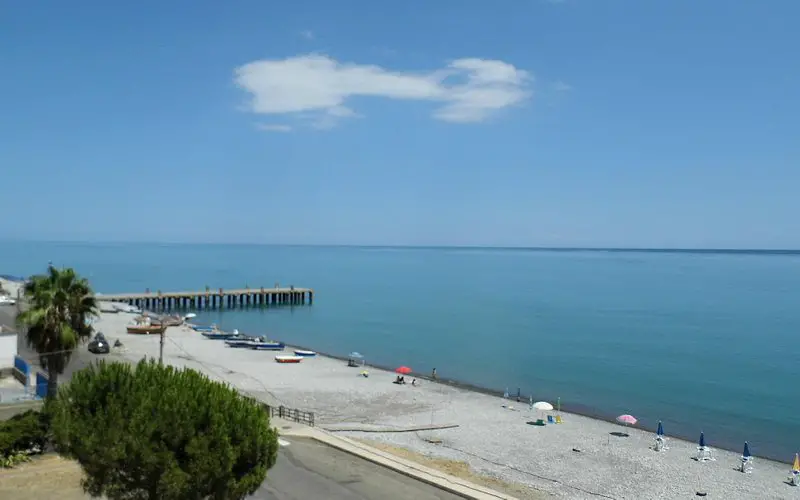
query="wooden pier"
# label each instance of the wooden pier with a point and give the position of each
(213, 298)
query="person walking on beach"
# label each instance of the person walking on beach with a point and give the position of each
(433, 374)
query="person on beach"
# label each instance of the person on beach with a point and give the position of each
(433, 374)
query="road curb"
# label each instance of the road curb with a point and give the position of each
(408, 468)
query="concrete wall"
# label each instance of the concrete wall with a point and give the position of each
(8, 349)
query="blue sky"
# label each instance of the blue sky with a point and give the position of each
(659, 123)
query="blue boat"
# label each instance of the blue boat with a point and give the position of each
(305, 354)
(243, 341)
(216, 335)
(198, 328)
(268, 345)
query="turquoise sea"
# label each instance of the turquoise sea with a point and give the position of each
(702, 340)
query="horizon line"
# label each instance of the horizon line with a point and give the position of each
(427, 247)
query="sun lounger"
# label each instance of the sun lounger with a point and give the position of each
(704, 454)
(794, 478)
(558, 419)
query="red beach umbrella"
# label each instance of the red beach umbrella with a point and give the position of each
(403, 370)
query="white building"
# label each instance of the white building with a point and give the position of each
(8, 347)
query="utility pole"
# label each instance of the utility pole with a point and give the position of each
(161, 347)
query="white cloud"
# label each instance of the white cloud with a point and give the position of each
(307, 34)
(273, 127)
(317, 86)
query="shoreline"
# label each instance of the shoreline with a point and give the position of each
(568, 408)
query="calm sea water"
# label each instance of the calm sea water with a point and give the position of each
(703, 341)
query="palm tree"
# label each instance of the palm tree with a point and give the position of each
(55, 321)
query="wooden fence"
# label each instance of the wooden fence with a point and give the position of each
(300, 416)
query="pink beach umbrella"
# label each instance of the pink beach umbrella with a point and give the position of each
(627, 420)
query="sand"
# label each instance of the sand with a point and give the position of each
(44, 477)
(492, 440)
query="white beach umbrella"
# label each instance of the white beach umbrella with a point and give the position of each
(542, 406)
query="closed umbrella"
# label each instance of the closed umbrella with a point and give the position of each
(659, 437)
(747, 459)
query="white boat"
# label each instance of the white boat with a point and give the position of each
(5, 300)
(304, 354)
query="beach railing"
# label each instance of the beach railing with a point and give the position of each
(293, 414)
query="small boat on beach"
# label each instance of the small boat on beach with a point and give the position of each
(144, 325)
(218, 335)
(304, 354)
(146, 329)
(240, 341)
(201, 329)
(288, 359)
(172, 320)
(268, 345)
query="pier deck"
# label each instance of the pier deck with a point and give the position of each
(213, 298)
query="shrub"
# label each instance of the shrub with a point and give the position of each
(23, 432)
(152, 431)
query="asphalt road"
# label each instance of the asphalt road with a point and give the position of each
(309, 470)
(306, 469)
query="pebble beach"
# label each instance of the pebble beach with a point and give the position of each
(492, 434)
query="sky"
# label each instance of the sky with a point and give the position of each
(596, 123)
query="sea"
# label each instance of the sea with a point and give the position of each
(701, 340)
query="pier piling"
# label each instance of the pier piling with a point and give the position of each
(206, 299)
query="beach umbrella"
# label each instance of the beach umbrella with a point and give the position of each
(796, 465)
(660, 431)
(746, 452)
(190, 316)
(356, 355)
(702, 442)
(403, 370)
(542, 406)
(505, 394)
(627, 420)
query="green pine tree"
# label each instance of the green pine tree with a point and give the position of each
(151, 431)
